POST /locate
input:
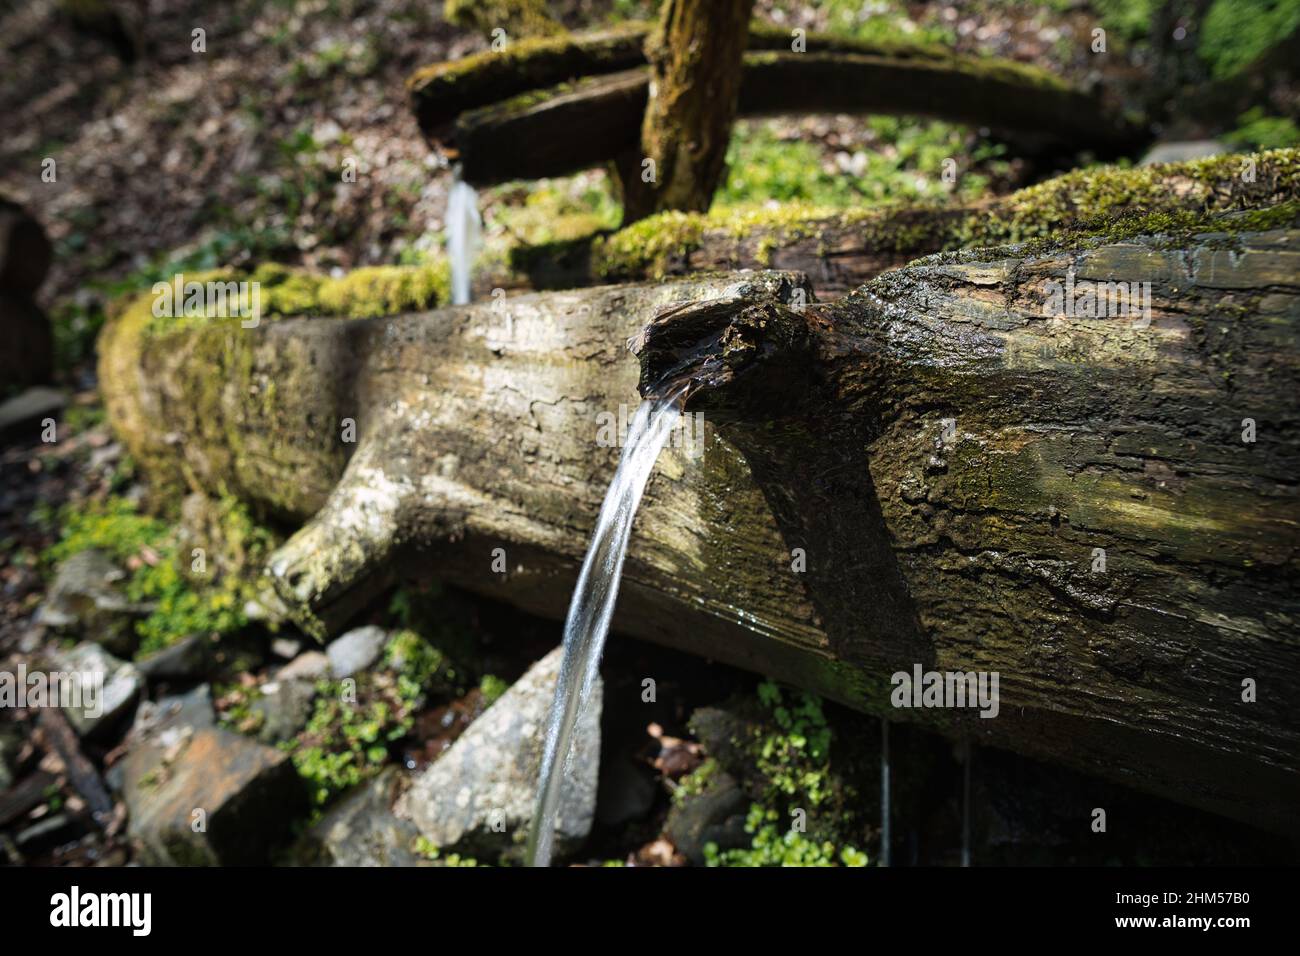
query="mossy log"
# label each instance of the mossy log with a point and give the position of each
(952, 460)
(442, 91)
(481, 109)
(840, 250)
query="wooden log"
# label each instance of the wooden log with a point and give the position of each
(950, 458)
(841, 250)
(596, 88)
(441, 91)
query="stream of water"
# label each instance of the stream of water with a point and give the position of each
(464, 230)
(592, 606)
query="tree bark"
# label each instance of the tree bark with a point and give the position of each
(695, 75)
(949, 458)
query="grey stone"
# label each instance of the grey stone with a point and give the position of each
(716, 815)
(27, 408)
(190, 658)
(478, 796)
(286, 648)
(117, 696)
(627, 791)
(362, 830)
(309, 665)
(86, 599)
(1181, 151)
(285, 706)
(208, 796)
(356, 650)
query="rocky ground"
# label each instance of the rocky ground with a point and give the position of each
(226, 736)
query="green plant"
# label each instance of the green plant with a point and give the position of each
(1256, 130)
(183, 603)
(804, 815)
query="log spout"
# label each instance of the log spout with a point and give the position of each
(957, 466)
(989, 470)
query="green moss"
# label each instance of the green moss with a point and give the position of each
(492, 687)
(516, 17)
(366, 292)
(184, 601)
(1105, 203)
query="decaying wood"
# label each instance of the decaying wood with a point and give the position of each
(58, 737)
(695, 76)
(951, 459)
(841, 250)
(601, 109)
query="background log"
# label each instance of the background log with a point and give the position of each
(949, 457)
(479, 109)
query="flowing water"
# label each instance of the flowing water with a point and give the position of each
(464, 229)
(593, 605)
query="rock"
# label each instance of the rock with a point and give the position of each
(23, 414)
(286, 648)
(192, 709)
(715, 815)
(478, 796)
(1177, 152)
(285, 706)
(208, 796)
(86, 598)
(363, 830)
(356, 650)
(627, 791)
(309, 665)
(54, 829)
(190, 658)
(111, 700)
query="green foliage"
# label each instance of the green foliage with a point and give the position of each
(431, 851)
(1235, 32)
(352, 727)
(763, 166)
(492, 687)
(1256, 130)
(791, 752)
(184, 603)
(697, 781)
(346, 742)
(773, 847)
(1129, 19)
(879, 22)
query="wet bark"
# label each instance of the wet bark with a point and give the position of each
(950, 459)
